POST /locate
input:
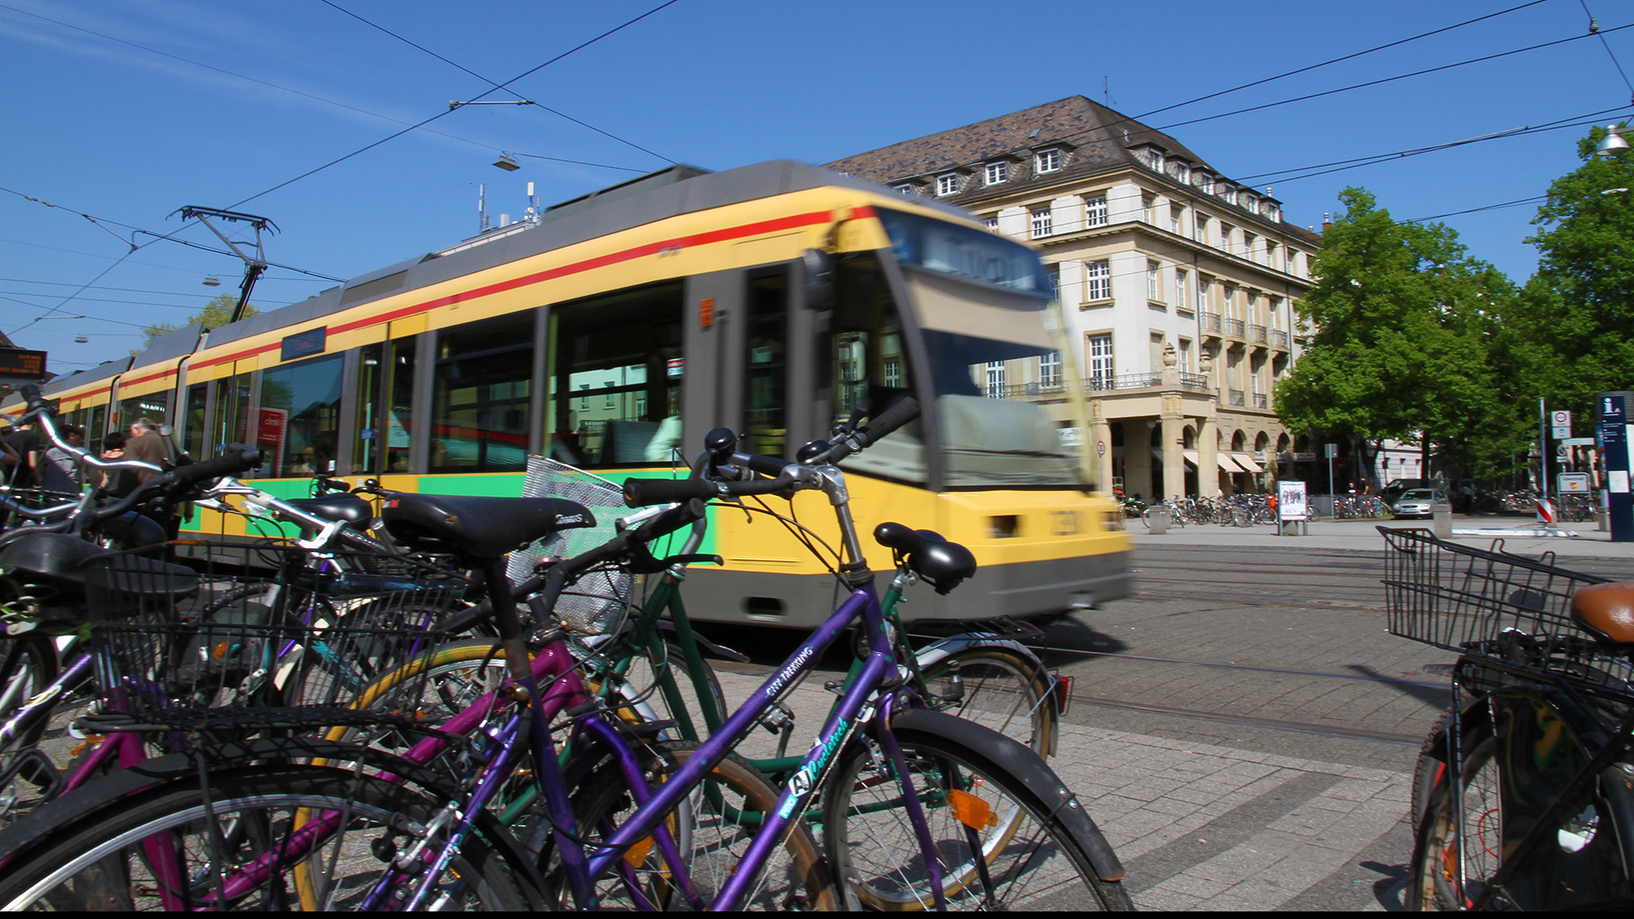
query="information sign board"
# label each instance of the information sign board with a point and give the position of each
(1291, 504)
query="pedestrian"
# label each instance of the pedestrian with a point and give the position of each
(147, 445)
(60, 471)
(25, 442)
(118, 482)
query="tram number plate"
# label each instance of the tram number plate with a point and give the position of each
(1065, 523)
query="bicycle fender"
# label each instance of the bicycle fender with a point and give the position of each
(940, 650)
(1024, 763)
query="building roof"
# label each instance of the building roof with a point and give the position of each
(1092, 138)
(1099, 138)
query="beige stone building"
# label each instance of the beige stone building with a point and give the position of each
(1178, 285)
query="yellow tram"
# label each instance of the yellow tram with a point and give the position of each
(615, 329)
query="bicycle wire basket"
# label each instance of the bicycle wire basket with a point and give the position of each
(1452, 596)
(180, 651)
(597, 603)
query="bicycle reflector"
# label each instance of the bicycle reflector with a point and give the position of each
(1063, 693)
(972, 811)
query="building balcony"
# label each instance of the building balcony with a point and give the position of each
(1279, 339)
(1190, 382)
(1257, 333)
(1235, 328)
(1209, 325)
(1236, 397)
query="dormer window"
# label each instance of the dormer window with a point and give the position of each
(1047, 160)
(996, 173)
(947, 184)
(906, 188)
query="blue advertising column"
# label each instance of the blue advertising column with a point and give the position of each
(1611, 414)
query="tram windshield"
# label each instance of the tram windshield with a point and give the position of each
(979, 301)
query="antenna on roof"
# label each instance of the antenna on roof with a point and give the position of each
(1106, 90)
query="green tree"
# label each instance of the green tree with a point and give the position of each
(1401, 319)
(214, 315)
(1574, 324)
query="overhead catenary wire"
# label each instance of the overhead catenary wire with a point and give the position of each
(461, 67)
(497, 87)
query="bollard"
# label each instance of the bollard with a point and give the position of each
(1157, 520)
(1441, 519)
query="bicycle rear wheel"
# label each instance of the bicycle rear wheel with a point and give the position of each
(999, 689)
(243, 852)
(996, 844)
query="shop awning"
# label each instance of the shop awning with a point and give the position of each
(1247, 462)
(1226, 463)
(1191, 457)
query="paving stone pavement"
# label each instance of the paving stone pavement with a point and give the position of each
(1197, 825)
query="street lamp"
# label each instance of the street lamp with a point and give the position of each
(1613, 142)
(509, 165)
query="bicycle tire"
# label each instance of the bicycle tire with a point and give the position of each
(98, 858)
(1429, 770)
(28, 664)
(720, 820)
(1435, 850)
(1033, 861)
(1002, 690)
(640, 682)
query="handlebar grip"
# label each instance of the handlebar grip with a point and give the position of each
(644, 492)
(765, 465)
(671, 520)
(894, 417)
(232, 463)
(31, 395)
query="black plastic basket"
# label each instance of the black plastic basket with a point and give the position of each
(1452, 596)
(178, 650)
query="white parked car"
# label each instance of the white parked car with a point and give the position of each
(1417, 502)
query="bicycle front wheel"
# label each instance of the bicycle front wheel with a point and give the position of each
(995, 843)
(245, 850)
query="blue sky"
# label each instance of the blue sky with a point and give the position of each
(127, 111)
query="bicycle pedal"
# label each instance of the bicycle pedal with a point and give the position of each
(777, 717)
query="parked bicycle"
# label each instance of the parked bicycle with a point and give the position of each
(1522, 793)
(959, 815)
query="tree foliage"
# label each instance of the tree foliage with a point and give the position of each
(1401, 321)
(1574, 323)
(214, 315)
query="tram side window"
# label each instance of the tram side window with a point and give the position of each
(232, 412)
(398, 423)
(766, 430)
(194, 433)
(155, 407)
(94, 428)
(366, 449)
(483, 380)
(616, 368)
(299, 417)
(870, 366)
